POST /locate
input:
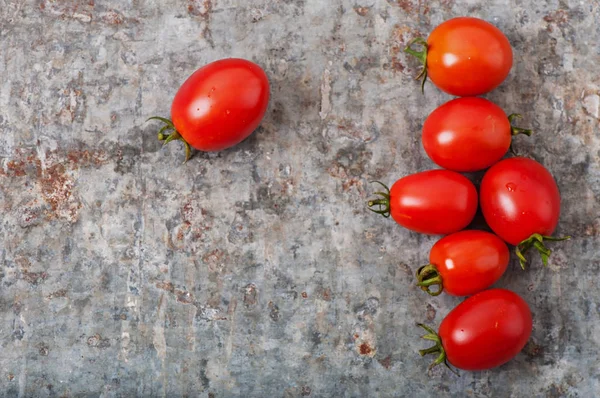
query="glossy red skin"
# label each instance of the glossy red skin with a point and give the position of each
(221, 104)
(486, 330)
(467, 134)
(519, 197)
(469, 261)
(468, 56)
(436, 202)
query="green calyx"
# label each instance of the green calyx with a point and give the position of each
(438, 348)
(514, 130)
(381, 205)
(421, 56)
(428, 276)
(169, 133)
(536, 241)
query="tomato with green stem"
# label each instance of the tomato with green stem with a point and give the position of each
(469, 134)
(520, 202)
(464, 263)
(483, 332)
(218, 106)
(464, 56)
(436, 202)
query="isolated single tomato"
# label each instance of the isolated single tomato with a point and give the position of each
(464, 263)
(464, 56)
(435, 202)
(468, 134)
(483, 332)
(218, 106)
(521, 203)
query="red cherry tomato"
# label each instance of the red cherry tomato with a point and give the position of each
(436, 202)
(465, 56)
(483, 332)
(218, 106)
(468, 134)
(521, 203)
(464, 263)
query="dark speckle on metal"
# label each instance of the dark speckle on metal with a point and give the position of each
(259, 271)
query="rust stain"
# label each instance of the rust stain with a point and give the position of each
(386, 362)
(184, 297)
(33, 278)
(365, 349)
(362, 11)
(199, 7)
(167, 286)
(250, 295)
(58, 293)
(304, 295)
(11, 377)
(430, 312)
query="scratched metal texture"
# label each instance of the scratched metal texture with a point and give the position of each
(257, 271)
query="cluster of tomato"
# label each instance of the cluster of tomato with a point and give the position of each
(519, 198)
(223, 102)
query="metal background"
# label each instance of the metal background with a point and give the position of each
(257, 271)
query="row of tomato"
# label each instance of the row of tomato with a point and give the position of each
(519, 199)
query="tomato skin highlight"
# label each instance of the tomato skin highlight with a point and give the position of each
(436, 202)
(467, 134)
(468, 56)
(519, 198)
(221, 104)
(486, 330)
(469, 261)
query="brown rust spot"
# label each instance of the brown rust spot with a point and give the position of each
(324, 293)
(167, 286)
(406, 5)
(199, 7)
(33, 278)
(362, 11)
(386, 362)
(57, 294)
(113, 18)
(304, 295)
(250, 295)
(430, 312)
(184, 297)
(11, 377)
(365, 349)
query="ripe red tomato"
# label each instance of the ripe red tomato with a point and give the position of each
(521, 203)
(468, 134)
(218, 106)
(483, 332)
(465, 56)
(436, 202)
(464, 263)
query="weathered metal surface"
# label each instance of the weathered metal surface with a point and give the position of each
(257, 271)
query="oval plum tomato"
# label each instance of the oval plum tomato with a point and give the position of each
(464, 263)
(483, 332)
(464, 56)
(218, 106)
(521, 203)
(468, 134)
(436, 202)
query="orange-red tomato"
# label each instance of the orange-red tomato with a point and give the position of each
(436, 202)
(468, 134)
(466, 56)
(218, 106)
(464, 263)
(483, 332)
(521, 203)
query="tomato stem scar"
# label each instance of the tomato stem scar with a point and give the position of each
(166, 138)
(537, 241)
(383, 203)
(421, 56)
(438, 347)
(428, 276)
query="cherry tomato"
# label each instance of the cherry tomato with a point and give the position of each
(464, 263)
(521, 203)
(218, 106)
(483, 332)
(468, 134)
(436, 202)
(465, 56)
